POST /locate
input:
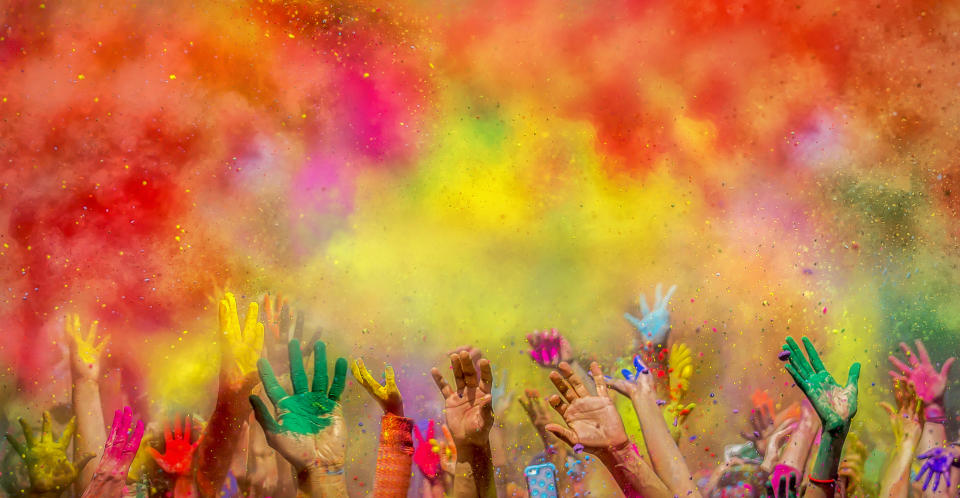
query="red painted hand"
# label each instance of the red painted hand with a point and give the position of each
(424, 456)
(177, 457)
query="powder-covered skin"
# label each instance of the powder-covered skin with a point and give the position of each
(420, 175)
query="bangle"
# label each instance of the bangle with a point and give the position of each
(822, 481)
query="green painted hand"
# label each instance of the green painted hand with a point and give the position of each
(835, 405)
(49, 468)
(309, 430)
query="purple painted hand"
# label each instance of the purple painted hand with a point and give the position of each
(937, 463)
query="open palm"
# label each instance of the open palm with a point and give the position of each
(836, 405)
(468, 409)
(309, 426)
(592, 420)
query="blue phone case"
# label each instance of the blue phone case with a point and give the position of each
(541, 480)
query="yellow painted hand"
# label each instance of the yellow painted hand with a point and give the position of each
(387, 395)
(48, 466)
(675, 414)
(85, 352)
(681, 369)
(240, 347)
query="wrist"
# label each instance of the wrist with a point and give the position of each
(827, 463)
(934, 412)
(469, 452)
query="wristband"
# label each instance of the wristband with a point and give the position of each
(823, 481)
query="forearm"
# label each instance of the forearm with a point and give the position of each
(667, 460)
(635, 478)
(219, 444)
(321, 483)
(473, 476)
(394, 457)
(823, 478)
(933, 436)
(91, 433)
(108, 480)
(184, 487)
(797, 451)
(896, 479)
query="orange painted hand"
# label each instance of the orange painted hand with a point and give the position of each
(85, 351)
(48, 466)
(387, 395)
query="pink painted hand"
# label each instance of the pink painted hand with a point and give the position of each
(548, 348)
(929, 383)
(427, 460)
(177, 456)
(118, 453)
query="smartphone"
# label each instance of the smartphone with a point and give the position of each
(541, 480)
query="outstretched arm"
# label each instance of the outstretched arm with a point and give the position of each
(395, 453)
(593, 422)
(85, 352)
(905, 420)
(240, 349)
(930, 386)
(308, 431)
(469, 415)
(111, 474)
(667, 460)
(835, 405)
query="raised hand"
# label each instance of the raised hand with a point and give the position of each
(427, 460)
(282, 326)
(784, 481)
(654, 324)
(85, 350)
(937, 464)
(468, 409)
(310, 431)
(548, 348)
(240, 347)
(178, 450)
(48, 467)
(445, 449)
(537, 411)
(774, 441)
(906, 421)
(387, 395)
(761, 423)
(118, 453)
(592, 420)
(834, 404)
(851, 467)
(930, 383)
(680, 368)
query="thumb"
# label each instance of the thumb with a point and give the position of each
(566, 435)
(945, 371)
(84, 460)
(853, 378)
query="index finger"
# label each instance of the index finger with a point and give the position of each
(597, 373)
(567, 372)
(486, 375)
(469, 369)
